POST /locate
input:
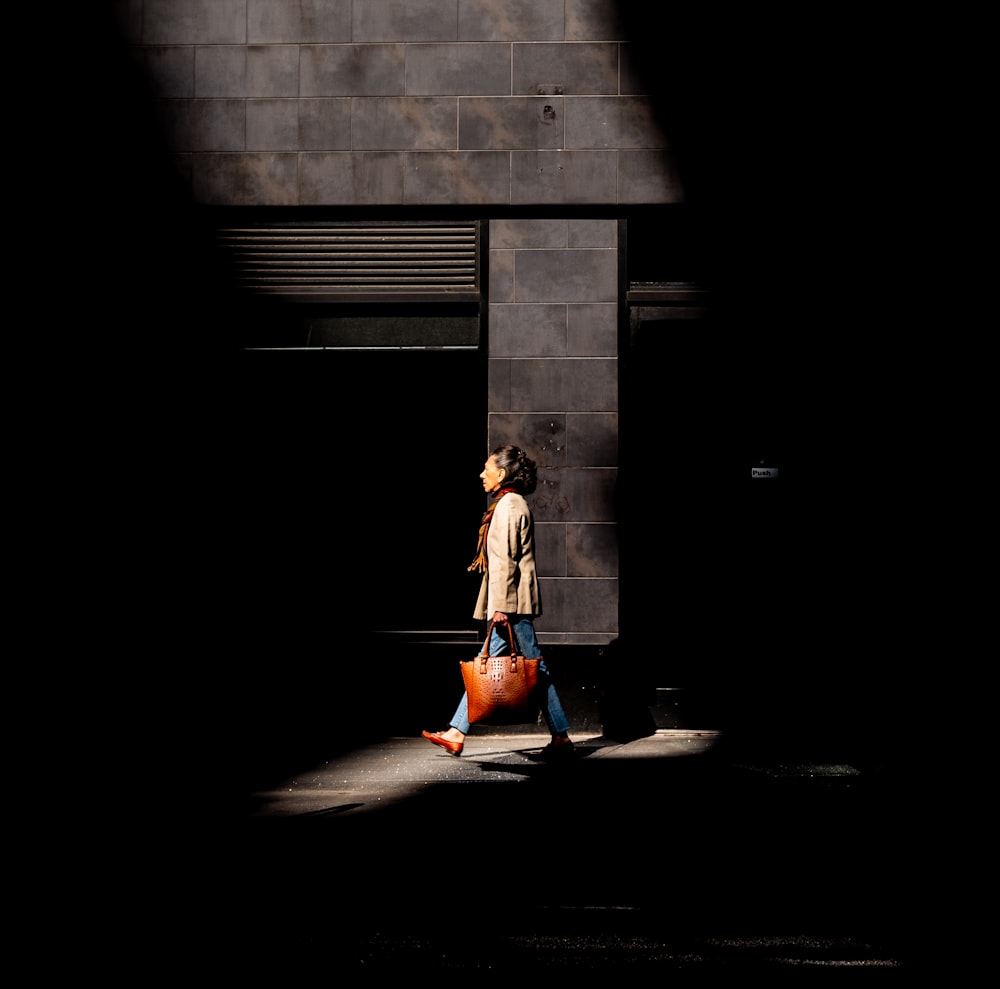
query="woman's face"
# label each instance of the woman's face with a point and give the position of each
(492, 476)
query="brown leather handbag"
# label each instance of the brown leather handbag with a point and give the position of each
(500, 688)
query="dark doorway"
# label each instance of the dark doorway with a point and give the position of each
(675, 518)
(356, 496)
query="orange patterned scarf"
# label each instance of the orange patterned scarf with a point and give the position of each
(480, 563)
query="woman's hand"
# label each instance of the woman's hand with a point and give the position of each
(499, 618)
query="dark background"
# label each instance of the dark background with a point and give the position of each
(247, 481)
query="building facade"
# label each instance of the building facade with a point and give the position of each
(526, 127)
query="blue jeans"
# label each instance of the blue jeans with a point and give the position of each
(545, 692)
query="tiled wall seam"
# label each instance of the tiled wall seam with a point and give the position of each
(401, 69)
(392, 69)
(256, 21)
(418, 123)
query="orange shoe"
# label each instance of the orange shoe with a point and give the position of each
(455, 748)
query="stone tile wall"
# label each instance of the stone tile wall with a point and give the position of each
(401, 102)
(553, 389)
(424, 103)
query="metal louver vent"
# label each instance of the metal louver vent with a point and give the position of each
(319, 262)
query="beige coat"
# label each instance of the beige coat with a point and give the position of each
(510, 583)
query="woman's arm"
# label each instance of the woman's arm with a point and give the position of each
(503, 549)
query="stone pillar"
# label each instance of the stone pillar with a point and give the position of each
(553, 389)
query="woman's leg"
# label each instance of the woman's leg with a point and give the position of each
(550, 704)
(454, 738)
(545, 692)
(460, 719)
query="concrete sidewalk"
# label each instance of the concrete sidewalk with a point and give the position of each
(387, 773)
(667, 853)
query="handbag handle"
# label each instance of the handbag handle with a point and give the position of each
(484, 656)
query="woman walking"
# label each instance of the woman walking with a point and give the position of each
(509, 592)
